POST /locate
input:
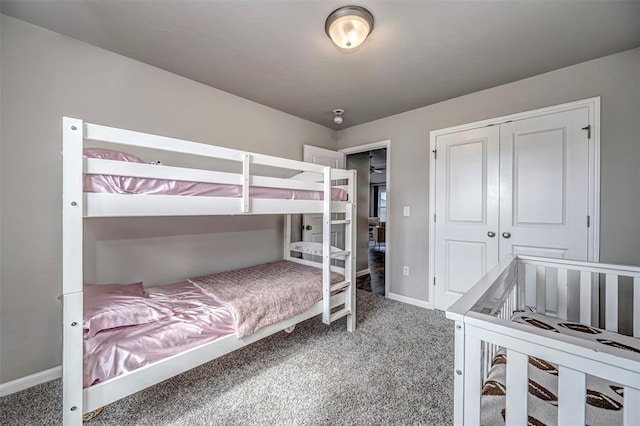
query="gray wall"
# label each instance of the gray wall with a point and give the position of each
(45, 76)
(615, 78)
(360, 162)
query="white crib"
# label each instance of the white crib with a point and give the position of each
(556, 288)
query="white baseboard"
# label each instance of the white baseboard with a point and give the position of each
(363, 272)
(409, 300)
(28, 381)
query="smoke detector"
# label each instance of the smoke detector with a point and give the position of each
(337, 115)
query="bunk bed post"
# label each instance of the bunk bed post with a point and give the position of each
(326, 248)
(72, 282)
(246, 173)
(286, 249)
(350, 243)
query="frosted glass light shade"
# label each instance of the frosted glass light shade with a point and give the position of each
(349, 26)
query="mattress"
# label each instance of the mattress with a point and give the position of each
(604, 399)
(198, 319)
(147, 186)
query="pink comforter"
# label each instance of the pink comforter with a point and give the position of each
(199, 319)
(266, 294)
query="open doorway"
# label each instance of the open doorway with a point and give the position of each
(371, 162)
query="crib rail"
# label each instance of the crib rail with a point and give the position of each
(538, 271)
(483, 326)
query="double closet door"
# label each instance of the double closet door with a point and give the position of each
(520, 187)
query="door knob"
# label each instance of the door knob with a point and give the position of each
(491, 234)
(308, 227)
(506, 235)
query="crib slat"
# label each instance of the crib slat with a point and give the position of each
(541, 289)
(520, 285)
(631, 413)
(512, 301)
(611, 299)
(472, 380)
(585, 298)
(517, 388)
(530, 285)
(486, 361)
(572, 396)
(563, 290)
(636, 307)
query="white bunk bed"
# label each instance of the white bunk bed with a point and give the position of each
(338, 300)
(546, 292)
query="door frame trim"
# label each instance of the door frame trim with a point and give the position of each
(388, 234)
(593, 208)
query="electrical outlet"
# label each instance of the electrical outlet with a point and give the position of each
(405, 271)
(406, 211)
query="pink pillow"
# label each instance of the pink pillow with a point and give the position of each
(109, 306)
(109, 154)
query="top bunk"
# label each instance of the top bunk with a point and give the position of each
(103, 179)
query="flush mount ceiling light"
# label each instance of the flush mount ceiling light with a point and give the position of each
(349, 26)
(337, 115)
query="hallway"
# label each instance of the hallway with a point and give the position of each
(374, 282)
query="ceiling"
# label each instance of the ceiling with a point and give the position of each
(276, 53)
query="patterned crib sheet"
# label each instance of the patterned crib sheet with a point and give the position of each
(604, 398)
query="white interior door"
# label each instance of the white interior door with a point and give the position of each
(312, 223)
(467, 202)
(544, 186)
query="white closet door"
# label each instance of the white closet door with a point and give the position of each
(544, 186)
(467, 194)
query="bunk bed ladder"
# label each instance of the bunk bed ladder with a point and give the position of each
(347, 285)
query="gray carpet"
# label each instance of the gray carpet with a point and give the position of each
(397, 368)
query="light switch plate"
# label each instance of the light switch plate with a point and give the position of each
(406, 211)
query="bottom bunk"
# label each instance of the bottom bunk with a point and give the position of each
(529, 349)
(134, 338)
